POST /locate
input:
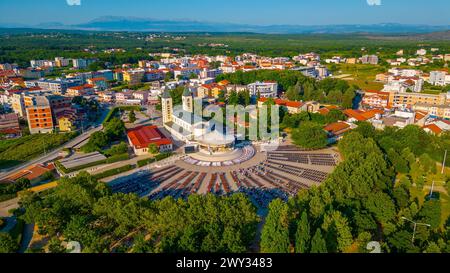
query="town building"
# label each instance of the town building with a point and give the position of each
(375, 99)
(263, 89)
(9, 126)
(142, 137)
(134, 77)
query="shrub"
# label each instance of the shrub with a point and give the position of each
(114, 171)
(117, 158)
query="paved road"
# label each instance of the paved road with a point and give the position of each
(8, 205)
(27, 236)
(10, 224)
(55, 153)
(50, 156)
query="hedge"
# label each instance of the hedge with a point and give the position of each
(7, 196)
(113, 172)
(159, 157)
(117, 158)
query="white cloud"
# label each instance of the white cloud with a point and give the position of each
(74, 2)
(374, 2)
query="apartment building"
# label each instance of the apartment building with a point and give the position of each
(376, 99)
(39, 116)
(42, 111)
(263, 89)
(134, 77)
(369, 59)
(408, 100)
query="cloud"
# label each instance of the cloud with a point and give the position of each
(77, 2)
(374, 2)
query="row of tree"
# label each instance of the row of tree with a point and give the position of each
(84, 210)
(298, 87)
(359, 202)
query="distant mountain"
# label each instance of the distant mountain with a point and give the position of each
(116, 23)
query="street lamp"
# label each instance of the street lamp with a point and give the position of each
(432, 188)
(415, 227)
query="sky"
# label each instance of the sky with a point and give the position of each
(257, 12)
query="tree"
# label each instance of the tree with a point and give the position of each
(310, 135)
(97, 142)
(433, 248)
(275, 234)
(318, 244)
(338, 233)
(7, 243)
(244, 98)
(118, 149)
(428, 164)
(400, 242)
(302, 235)
(115, 129)
(335, 115)
(348, 97)
(54, 246)
(430, 213)
(381, 205)
(153, 149)
(366, 129)
(132, 116)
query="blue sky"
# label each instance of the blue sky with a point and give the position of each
(262, 12)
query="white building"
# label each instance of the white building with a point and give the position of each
(263, 89)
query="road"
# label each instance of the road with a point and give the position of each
(6, 206)
(55, 153)
(50, 156)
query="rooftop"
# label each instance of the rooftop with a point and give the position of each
(141, 137)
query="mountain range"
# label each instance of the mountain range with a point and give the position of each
(115, 23)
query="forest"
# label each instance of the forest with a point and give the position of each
(22, 45)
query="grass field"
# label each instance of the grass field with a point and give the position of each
(360, 75)
(17, 151)
(439, 186)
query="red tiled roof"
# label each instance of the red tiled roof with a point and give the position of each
(32, 172)
(143, 136)
(287, 103)
(362, 115)
(433, 128)
(337, 127)
(97, 79)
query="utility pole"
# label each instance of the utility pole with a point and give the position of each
(443, 163)
(415, 227)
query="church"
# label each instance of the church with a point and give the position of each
(199, 134)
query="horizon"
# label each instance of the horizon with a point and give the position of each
(352, 12)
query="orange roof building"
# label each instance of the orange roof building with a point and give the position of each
(360, 115)
(337, 129)
(33, 173)
(433, 128)
(141, 137)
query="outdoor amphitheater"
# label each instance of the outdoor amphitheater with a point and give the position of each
(262, 175)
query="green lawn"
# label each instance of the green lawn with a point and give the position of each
(361, 74)
(16, 151)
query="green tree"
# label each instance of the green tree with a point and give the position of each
(430, 213)
(310, 135)
(132, 116)
(348, 97)
(275, 234)
(115, 129)
(7, 243)
(153, 149)
(381, 205)
(318, 244)
(302, 235)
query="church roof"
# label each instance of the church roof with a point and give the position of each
(187, 92)
(166, 94)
